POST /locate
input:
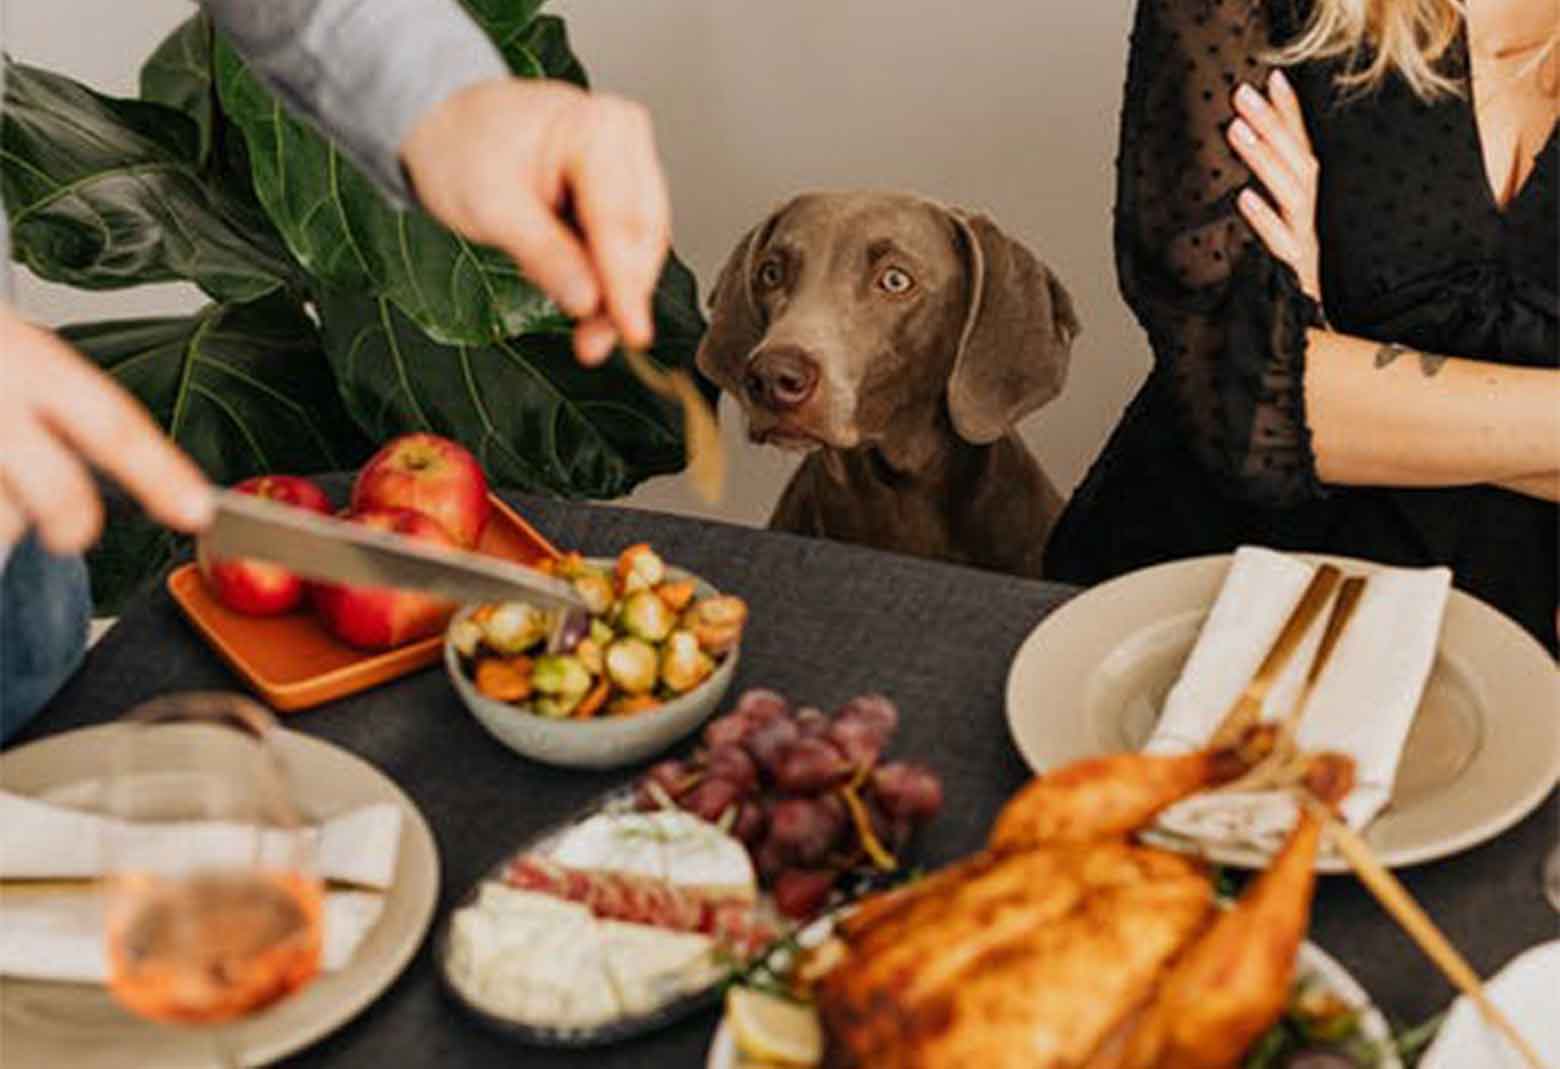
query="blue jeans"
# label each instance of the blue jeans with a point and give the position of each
(45, 605)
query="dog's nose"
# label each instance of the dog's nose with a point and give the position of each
(782, 378)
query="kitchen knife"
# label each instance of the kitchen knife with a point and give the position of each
(331, 550)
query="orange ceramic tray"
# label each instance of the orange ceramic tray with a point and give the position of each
(292, 663)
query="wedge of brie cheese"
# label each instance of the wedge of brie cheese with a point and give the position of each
(547, 961)
(671, 845)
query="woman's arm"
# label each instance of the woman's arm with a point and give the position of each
(1383, 414)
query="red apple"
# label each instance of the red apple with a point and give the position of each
(431, 475)
(255, 587)
(377, 618)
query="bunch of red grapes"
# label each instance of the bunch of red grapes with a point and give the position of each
(779, 778)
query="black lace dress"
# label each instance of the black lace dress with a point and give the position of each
(1214, 451)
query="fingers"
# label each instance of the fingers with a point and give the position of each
(1273, 231)
(87, 411)
(12, 525)
(1284, 160)
(49, 487)
(593, 340)
(551, 255)
(1284, 99)
(620, 194)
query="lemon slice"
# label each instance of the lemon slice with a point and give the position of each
(772, 1030)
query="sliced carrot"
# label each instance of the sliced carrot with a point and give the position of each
(628, 705)
(483, 613)
(502, 680)
(592, 702)
(676, 594)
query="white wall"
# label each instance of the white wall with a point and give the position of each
(1004, 106)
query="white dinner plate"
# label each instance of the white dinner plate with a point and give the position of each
(47, 1025)
(1315, 964)
(1528, 991)
(1483, 752)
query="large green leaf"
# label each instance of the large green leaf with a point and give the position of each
(178, 75)
(244, 389)
(535, 418)
(346, 234)
(104, 193)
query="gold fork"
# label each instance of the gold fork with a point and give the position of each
(1246, 712)
(701, 434)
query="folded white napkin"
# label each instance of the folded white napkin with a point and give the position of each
(57, 934)
(42, 841)
(1363, 704)
(1526, 991)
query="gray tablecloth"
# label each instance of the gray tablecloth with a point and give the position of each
(830, 621)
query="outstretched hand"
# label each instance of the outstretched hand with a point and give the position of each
(1269, 136)
(58, 415)
(568, 183)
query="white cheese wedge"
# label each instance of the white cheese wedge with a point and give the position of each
(548, 963)
(670, 845)
(650, 967)
(531, 957)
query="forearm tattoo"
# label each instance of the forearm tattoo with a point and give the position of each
(1429, 363)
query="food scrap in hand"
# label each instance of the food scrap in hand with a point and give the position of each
(807, 793)
(645, 639)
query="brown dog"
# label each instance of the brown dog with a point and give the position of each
(899, 341)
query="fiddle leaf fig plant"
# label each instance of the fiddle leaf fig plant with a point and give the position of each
(336, 319)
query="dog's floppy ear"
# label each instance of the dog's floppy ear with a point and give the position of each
(736, 326)
(1018, 332)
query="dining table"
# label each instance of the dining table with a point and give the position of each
(828, 621)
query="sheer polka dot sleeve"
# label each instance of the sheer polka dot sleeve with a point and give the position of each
(1226, 320)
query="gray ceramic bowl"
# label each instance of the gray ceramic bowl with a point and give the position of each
(601, 742)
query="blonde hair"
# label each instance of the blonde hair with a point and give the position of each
(1409, 37)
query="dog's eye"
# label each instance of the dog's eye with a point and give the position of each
(770, 274)
(896, 280)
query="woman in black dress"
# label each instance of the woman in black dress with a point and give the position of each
(1348, 277)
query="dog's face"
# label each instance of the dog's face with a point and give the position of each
(853, 318)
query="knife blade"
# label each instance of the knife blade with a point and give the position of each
(327, 549)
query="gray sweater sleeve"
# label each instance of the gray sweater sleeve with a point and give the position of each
(363, 70)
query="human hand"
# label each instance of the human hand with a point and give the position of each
(1269, 136)
(58, 414)
(502, 162)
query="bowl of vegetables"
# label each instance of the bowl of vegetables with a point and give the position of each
(646, 664)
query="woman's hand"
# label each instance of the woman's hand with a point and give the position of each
(1269, 136)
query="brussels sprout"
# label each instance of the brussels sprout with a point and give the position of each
(631, 665)
(638, 568)
(556, 708)
(683, 664)
(515, 627)
(466, 636)
(647, 616)
(561, 675)
(590, 653)
(601, 633)
(596, 590)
